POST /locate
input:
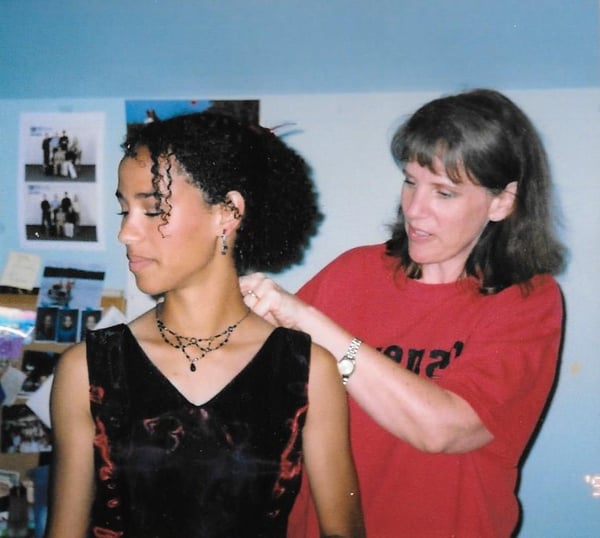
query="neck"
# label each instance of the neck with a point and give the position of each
(204, 313)
(195, 348)
(441, 274)
(164, 330)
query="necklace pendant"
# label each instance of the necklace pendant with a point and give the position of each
(183, 342)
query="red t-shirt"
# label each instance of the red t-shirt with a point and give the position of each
(498, 352)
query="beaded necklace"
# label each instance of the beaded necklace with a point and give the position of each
(184, 342)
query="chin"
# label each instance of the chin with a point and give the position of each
(148, 288)
(418, 259)
(423, 254)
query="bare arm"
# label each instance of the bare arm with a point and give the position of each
(327, 452)
(412, 408)
(73, 429)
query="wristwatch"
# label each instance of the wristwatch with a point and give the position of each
(347, 364)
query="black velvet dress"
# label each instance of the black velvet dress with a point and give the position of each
(165, 467)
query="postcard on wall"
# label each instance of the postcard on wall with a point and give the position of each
(60, 176)
(66, 298)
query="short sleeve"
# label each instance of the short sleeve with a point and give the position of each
(508, 368)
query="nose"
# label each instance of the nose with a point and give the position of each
(414, 202)
(128, 232)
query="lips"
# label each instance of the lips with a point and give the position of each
(416, 234)
(137, 263)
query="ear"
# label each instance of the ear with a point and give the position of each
(232, 211)
(504, 203)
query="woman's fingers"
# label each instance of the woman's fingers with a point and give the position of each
(259, 293)
(250, 282)
(267, 299)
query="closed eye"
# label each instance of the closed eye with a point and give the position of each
(150, 214)
(446, 194)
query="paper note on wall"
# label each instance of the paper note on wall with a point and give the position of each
(21, 270)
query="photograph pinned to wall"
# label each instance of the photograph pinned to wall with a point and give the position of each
(38, 366)
(10, 478)
(65, 293)
(45, 324)
(23, 432)
(67, 325)
(71, 287)
(60, 169)
(140, 112)
(17, 322)
(17, 327)
(89, 320)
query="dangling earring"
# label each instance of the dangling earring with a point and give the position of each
(224, 246)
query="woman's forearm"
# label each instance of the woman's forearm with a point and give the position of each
(412, 408)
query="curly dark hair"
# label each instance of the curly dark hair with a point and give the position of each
(221, 154)
(484, 134)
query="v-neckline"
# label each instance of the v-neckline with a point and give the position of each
(165, 380)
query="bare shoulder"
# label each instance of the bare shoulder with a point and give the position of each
(321, 357)
(69, 400)
(73, 355)
(72, 366)
(323, 370)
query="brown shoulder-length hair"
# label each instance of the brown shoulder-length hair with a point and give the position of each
(484, 135)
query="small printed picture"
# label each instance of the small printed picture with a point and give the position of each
(89, 320)
(17, 322)
(23, 432)
(66, 329)
(10, 477)
(38, 366)
(45, 324)
(71, 287)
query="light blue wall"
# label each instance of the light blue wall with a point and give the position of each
(106, 48)
(347, 70)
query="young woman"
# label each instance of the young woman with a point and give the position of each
(197, 418)
(460, 318)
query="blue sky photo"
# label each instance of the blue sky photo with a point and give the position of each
(135, 111)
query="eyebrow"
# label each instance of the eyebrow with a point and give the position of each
(139, 195)
(444, 175)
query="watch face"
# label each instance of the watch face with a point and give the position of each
(346, 366)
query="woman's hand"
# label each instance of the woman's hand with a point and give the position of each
(270, 301)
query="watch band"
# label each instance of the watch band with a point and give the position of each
(347, 364)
